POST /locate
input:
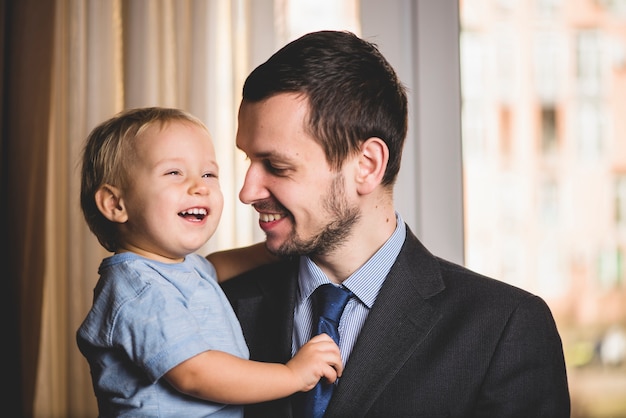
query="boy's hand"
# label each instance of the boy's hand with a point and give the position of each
(319, 358)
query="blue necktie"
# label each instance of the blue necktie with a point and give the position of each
(328, 304)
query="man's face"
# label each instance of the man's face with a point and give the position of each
(304, 206)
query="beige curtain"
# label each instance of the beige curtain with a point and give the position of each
(74, 63)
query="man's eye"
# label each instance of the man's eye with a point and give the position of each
(274, 169)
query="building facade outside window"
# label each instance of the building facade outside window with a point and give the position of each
(557, 225)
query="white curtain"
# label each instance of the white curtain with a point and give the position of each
(111, 55)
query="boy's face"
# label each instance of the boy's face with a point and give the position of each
(304, 206)
(173, 201)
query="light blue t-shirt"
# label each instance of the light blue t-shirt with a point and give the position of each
(146, 318)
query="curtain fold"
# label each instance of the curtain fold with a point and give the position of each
(87, 88)
(29, 27)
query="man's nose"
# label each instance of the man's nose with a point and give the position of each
(253, 188)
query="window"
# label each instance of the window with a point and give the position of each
(589, 62)
(549, 139)
(297, 17)
(553, 102)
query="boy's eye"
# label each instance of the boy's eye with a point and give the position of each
(173, 173)
(210, 175)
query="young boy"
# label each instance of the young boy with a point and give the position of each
(161, 338)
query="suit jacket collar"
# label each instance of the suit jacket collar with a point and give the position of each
(396, 325)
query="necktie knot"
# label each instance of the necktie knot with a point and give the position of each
(329, 302)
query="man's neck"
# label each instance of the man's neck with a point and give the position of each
(367, 237)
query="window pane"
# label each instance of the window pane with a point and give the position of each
(297, 17)
(544, 143)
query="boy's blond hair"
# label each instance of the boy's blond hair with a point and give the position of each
(108, 156)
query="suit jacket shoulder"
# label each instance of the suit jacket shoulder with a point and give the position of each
(443, 341)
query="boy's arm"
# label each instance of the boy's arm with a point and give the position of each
(224, 378)
(230, 263)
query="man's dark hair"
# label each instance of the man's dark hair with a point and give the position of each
(352, 91)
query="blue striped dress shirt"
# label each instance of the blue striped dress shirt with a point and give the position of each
(365, 283)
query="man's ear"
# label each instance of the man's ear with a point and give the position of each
(373, 160)
(110, 203)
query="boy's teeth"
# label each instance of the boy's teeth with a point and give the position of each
(194, 211)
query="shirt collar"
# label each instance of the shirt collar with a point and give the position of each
(366, 281)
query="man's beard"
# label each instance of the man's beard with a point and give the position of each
(334, 234)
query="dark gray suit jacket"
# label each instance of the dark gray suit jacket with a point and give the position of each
(440, 341)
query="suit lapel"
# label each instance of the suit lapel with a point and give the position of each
(396, 325)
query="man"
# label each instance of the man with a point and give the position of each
(323, 123)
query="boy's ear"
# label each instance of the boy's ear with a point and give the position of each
(373, 161)
(111, 204)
